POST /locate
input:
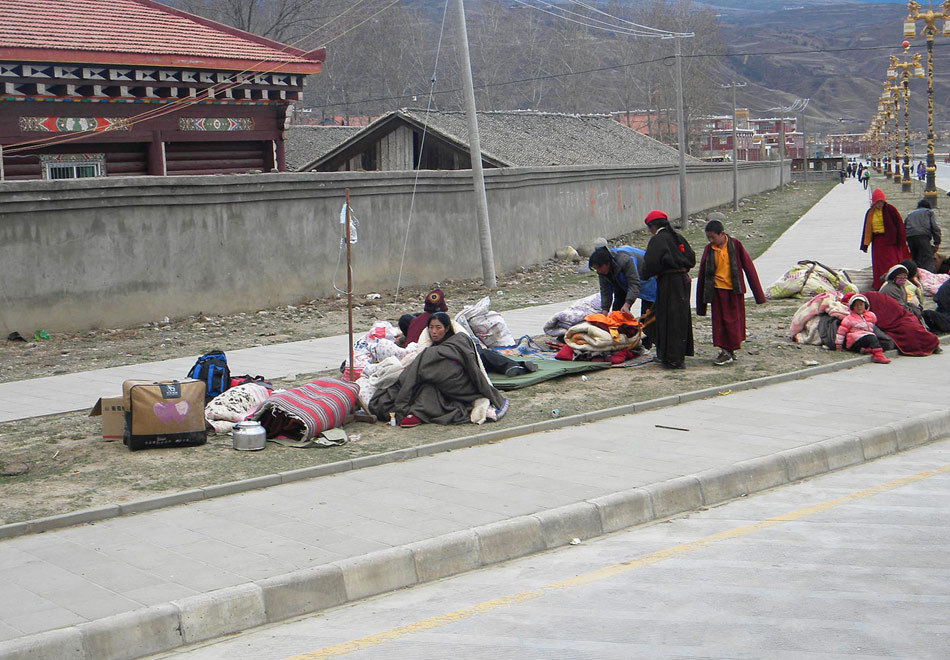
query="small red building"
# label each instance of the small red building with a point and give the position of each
(133, 87)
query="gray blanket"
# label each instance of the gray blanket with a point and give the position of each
(439, 386)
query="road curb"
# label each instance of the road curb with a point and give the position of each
(486, 437)
(206, 616)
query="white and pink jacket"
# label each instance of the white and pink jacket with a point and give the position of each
(853, 327)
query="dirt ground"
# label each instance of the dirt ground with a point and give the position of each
(59, 463)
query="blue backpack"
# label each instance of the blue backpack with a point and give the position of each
(212, 370)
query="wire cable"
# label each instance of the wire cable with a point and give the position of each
(611, 28)
(614, 67)
(617, 18)
(425, 127)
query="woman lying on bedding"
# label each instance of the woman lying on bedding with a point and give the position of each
(445, 384)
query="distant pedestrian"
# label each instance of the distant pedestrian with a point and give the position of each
(884, 233)
(720, 284)
(923, 235)
(865, 177)
(669, 258)
(921, 171)
(841, 174)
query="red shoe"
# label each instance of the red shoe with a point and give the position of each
(877, 355)
(409, 421)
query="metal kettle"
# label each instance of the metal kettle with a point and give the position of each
(248, 436)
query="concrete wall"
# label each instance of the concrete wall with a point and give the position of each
(105, 252)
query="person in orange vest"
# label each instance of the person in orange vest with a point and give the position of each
(720, 284)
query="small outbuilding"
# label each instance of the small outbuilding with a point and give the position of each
(508, 139)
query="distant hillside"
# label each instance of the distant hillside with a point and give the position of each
(525, 55)
(844, 81)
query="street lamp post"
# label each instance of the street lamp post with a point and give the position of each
(930, 19)
(891, 100)
(904, 68)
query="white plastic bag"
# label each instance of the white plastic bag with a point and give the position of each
(487, 325)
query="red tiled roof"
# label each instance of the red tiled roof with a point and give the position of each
(137, 32)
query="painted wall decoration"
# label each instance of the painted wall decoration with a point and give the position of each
(73, 124)
(215, 124)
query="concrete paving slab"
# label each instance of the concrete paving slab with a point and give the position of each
(202, 546)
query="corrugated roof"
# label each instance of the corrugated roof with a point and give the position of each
(58, 30)
(533, 139)
(303, 143)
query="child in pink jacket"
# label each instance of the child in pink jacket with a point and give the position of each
(856, 331)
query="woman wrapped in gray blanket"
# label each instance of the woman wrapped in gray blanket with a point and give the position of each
(445, 384)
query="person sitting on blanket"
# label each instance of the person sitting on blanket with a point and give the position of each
(412, 325)
(896, 287)
(493, 362)
(856, 331)
(443, 385)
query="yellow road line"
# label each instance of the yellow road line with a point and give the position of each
(609, 571)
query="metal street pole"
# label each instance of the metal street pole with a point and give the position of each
(930, 191)
(735, 150)
(681, 130)
(804, 144)
(475, 148)
(735, 154)
(905, 181)
(930, 18)
(781, 153)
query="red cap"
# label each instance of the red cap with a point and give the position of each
(877, 196)
(655, 215)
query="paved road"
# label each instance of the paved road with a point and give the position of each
(852, 564)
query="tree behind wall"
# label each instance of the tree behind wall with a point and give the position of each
(521, 58)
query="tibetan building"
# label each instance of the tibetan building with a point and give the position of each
(133, 87)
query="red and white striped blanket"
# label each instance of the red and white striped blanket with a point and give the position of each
(304, 412)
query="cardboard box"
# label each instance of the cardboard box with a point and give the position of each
(112, 410)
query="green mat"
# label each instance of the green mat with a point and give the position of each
(547, 369)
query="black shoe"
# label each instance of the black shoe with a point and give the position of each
(516, 370)
(673, 365)
(530, 367)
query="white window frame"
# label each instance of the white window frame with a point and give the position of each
(73, 166)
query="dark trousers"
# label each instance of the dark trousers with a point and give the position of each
(496, 363)
(921, 251)
(867, 341)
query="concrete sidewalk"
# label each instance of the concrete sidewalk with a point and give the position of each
(828, 233)
(79, 391)
(140, 584)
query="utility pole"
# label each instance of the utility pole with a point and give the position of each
(735, 151)
(475, 148)
(681, 130)
(804, 143)
(781, 153)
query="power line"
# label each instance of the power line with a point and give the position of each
(607, 27)
(614, 67)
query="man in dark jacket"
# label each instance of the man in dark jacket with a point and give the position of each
(618, 277)
(923, 235)
(669, 257)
